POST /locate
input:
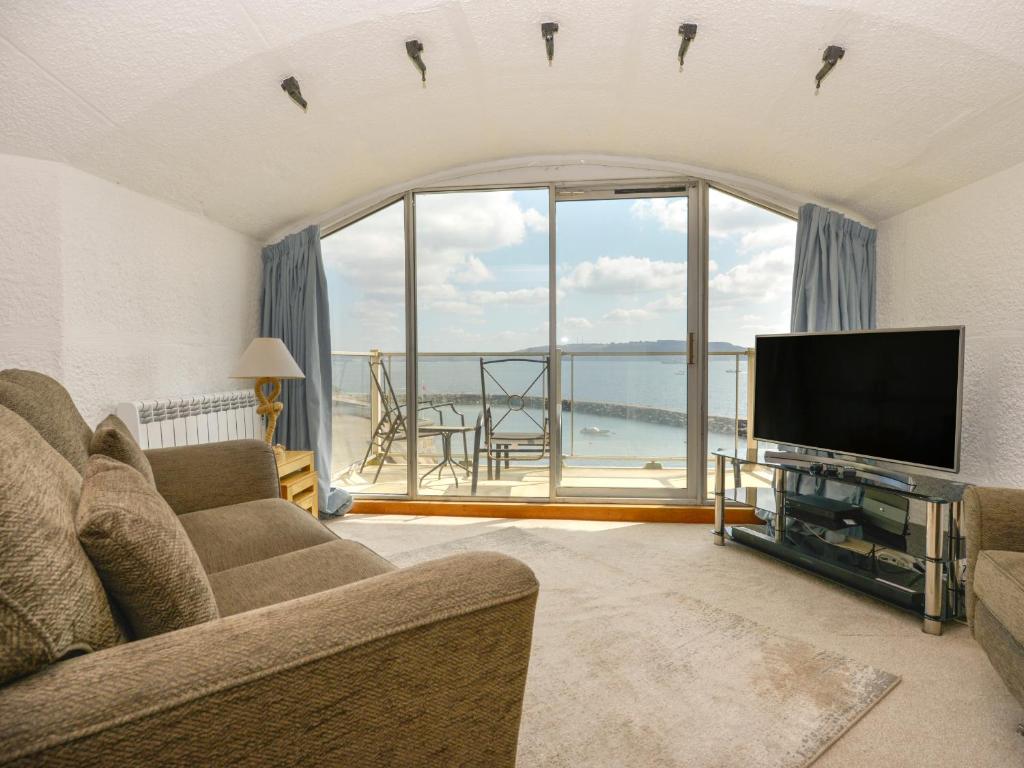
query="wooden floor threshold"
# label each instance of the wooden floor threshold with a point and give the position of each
(628, 513)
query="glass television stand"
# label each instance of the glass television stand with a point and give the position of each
(900, 545)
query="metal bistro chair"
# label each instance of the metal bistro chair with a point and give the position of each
(392, 424)
(501, 401)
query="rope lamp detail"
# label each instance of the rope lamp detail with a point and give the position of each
(268, 361)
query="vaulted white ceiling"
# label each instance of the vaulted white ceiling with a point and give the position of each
(182, 100)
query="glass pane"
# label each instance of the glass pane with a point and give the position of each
(482, 336)
(365, 268)
(622, 327)
(750, 284)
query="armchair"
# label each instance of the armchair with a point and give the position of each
(994, 522)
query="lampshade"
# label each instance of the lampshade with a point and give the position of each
(267, 358)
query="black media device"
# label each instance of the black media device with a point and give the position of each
(893, 395)
(819, 510)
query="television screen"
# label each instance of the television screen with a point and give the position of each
(892, 394)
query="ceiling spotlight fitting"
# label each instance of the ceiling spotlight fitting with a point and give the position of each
(831, 57)
(291, 86)
(547, 31)
(414, 48)
(688, 31)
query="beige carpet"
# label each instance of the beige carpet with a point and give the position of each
(950, 709)
(628, 672)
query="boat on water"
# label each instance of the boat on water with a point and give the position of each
(595, 431)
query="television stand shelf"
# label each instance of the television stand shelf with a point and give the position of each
(918, 568)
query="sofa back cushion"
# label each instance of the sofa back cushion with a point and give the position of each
(47, 406)
(113, 438)
(52, 603)
(141, 551)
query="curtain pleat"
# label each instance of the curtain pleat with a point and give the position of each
(294, 308)
(833, 274)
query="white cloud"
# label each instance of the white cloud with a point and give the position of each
(763, 238)
(576, 324)
(517, 296)
(672, 302)
(370, 253)
(765, 277)
(535, 220)
(431, 293)
(472, 271)
(624, 274)
(671, 214)
(628, 315)
(455, 307)
(729, 216)
(453, 229)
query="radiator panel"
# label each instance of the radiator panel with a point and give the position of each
(193, 420)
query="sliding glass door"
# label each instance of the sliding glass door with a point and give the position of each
(482, 356)
(628, 374)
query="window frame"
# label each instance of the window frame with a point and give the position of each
(697, 189)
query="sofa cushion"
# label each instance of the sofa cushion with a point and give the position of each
(52, 603)
(48, 407)
(140, 550)
(999, 583)
(113, 438)
(227, 537)
(296, 574)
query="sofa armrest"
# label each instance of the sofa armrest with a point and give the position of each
(195, 477)
(993, 519)
(421, 666)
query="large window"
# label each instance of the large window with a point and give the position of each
(365, 268)
(555, 332)
(750, 285)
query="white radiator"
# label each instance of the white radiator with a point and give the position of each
(194, 419)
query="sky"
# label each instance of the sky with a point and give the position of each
(482, 272)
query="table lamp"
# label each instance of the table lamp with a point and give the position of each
(268, 361)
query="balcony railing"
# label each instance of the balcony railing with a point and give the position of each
(730, 393)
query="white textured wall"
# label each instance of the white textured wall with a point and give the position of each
(960, 259)
(118, 295)
(31, 287)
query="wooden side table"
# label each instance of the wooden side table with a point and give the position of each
(298, 480)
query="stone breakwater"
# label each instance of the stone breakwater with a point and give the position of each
(645, 413)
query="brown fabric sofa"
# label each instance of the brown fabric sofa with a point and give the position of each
(995, 579)
(325, 653)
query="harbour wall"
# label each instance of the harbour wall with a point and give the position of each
(645, 413)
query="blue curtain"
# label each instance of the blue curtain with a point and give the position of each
(294, 308)
(834, 273)
(833, 290)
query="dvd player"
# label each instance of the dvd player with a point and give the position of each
(822, 511)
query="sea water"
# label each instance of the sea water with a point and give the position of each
(658, 382)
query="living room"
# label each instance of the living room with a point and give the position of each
(743, 274)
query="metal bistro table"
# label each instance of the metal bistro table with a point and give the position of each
(920, 569)
(471, 464)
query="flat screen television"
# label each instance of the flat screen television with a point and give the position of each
(893, 395)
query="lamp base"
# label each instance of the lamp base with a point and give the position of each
(269, 406)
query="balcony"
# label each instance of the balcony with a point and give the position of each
(623, 423)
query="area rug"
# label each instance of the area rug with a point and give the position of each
(625, 672)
